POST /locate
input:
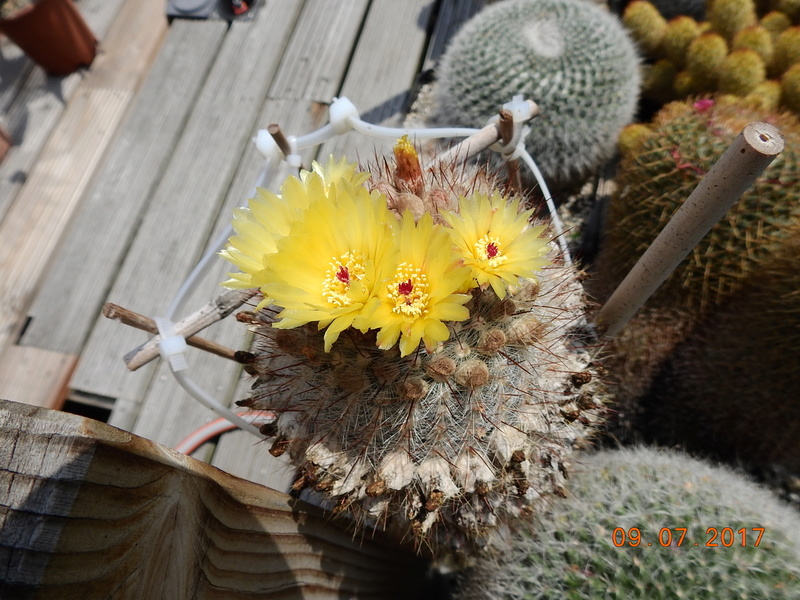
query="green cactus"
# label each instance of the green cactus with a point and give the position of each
(573, 58)
(680, 33)
(646, 25)
(730, 389)
(704, 59)
(787, 51)
(766, 96)
(776, 23)
(728, 17)
(659, 80)
(442, 444)
(755, 38)
(654, 180)
(638, 524)
(741, 72)
(791, 8)
(790, 89)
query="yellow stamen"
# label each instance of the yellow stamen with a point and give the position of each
(490, 249)
(408, 291)
(343, 271)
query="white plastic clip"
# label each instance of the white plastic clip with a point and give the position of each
(267, 145)
(340, 113)
(171, 345)
(293, 158)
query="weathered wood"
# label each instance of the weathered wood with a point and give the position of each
(175, 229)
(66, 164)
(128, 317)
(378, 82)
(31, 103)
(94, 246)
(50, 372)
(90, 511)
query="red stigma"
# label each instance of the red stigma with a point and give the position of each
(343, 275)
(405, 287)
(491, 250)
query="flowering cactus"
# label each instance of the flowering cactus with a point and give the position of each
(418, 341)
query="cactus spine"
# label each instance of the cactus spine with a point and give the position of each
(649, 496)
(572, 58)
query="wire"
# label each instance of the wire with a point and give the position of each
(210, 430)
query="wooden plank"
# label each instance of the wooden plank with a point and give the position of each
(40, 213)
(94, 246)
(186, 203)
(49, 376)
(382, 71)
(32, 102)
(298, 105)
(95, 512)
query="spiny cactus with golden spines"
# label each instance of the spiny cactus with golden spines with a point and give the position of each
(470, 420)
(655, 178)
(741, 72)
(686, 57)
(730, 388)
(643, 523)
(790, 89)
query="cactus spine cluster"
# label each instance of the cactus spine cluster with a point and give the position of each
(687, 57)
(443, 443)
(694, 325)
(587, 547)
(571, 57)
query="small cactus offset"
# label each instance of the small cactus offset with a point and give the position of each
(571, 57)
(427, 374)
(649, 524)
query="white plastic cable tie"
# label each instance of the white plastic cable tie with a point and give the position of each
(340, 113)
(171, 346)
(267, 145)
(293, 159)
(519, 108)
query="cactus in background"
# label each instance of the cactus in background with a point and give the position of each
(728, 17)
(741, 72)
(439, 442)
(693, 58)
(655, 178)
(571, 57)
(790, 89)
(730, 389)
(629, 529)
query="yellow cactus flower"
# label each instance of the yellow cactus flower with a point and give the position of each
(496, 242)
(327, 268)
(269, 217)
(420, 289)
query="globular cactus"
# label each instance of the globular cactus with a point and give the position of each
(573, 58)
(655, 177)
(730, 388)
(426, 369)
(689, 58)
(790, 89)
(657, 173)
(643, 523)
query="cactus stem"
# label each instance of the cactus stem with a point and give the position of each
(751, 152)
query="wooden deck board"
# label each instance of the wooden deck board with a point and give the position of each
(50, 372)
(185, 205)
(32, 103)
(89, 259)
(42, 210)
(378, 82)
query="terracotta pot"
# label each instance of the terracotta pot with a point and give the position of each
(53, 34)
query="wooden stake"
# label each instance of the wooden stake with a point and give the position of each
(751, 152)
(214, 311)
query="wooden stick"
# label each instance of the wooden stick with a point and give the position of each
(134, 319)
(214, 311)
(751, 152)
(477, 142)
